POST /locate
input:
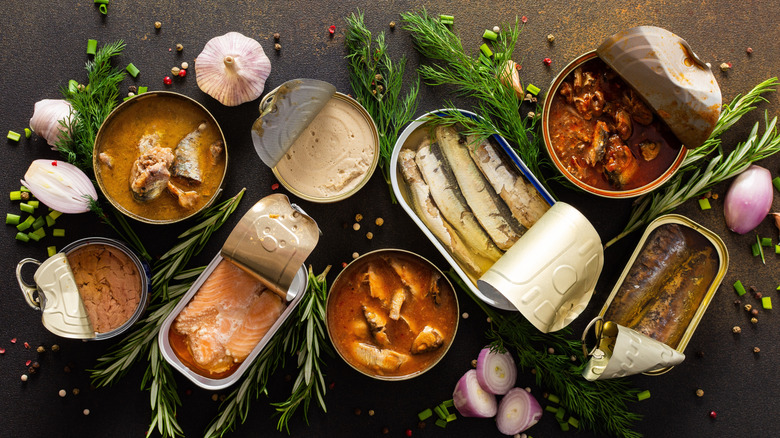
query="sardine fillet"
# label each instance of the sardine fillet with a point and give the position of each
(426, 209)
(379, 359)
(186, 164)
(488, 208)
(446, 194)
(522, 198)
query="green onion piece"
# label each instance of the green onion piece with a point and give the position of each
(16, 195)
(644, 395)
(34, 204)
(498, 56)
(49, 221)
(552, 409)
(12, 219)
(754, 248)
(73, 86)
(490, 35)
(142, 90)
(766, 241)
(14, 136)
(451, 417)
(424, 415)
(22, 237)
(51, 250)
(27, 208)
(560, 414)
(444, 409)
(486, 50)
(564, 426)
(133, 70)
(574, 422)
(778, 287)
(439, 413)
(39, 222)
(448, 403)
(552, 398)
(766, 303)
(776, 183)
(92, 44)
(704, 204)
(101, 2)
(37, 235)
(24, 189)
(777, 249)
(55, 214)
(446, 17)
(441, 423)
(760, 249)
(58, 232)
(533, 89)
(739, 288)
(103, 9)
(26, 224)
(27, 132)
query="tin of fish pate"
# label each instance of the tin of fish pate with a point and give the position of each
(243, 296)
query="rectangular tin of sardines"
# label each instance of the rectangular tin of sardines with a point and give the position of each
(473, 199)
(668, 282)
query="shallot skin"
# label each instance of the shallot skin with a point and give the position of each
(46, 119)
(748, 199)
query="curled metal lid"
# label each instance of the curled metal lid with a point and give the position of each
(63, 309)
(285, 113)
(663, 69)
(272, 241)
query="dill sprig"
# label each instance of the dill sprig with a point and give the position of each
(600, 406)
(690, 181)
(482, 78)
(302, 334)
(125, 231)
(377, 82)
(90, 106)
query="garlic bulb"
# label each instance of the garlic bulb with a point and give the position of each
(232, 68)
(46, 119)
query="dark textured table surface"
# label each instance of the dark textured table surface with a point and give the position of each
(42, 46)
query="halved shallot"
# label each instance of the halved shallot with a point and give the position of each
(471, 400)
(60, 185)
(496, 371)
(748, 199)
(517, 411)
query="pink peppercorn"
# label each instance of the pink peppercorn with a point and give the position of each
(182, 73)
(167, 80)
(547, 61)
(524, 19)
(713, 415)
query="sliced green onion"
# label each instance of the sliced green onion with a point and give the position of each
(490, 35)
(103, 9)
(448, 403)
(644, 395)
(22, 237)
(552, 398)
(760, 249)
(49, 221)
(704, 204)
(439, 412)
(142, 90)
(73, 86)
(766, 303)
(24, 189)
(533, 89)
(58, 232)
(766, 241)
(486, 50)
(441, 423)
(424, 415)
(451, 417)
(12, 219)
(560, 414)
(101, 2)
(574, 422)
(34, 204)
(55, 214)
(51, 250)
(754, 248)
(446, 17)
(39, 222)
(777, 249)
(564, 426)
(14, 136)
(444, 409)
(133, 70)
(776, 183)
(37, 235)
(27, 208)
(26, 224)
(550, 408)
(92, 44)
(16, 195)
(739, 288)
(27, 132)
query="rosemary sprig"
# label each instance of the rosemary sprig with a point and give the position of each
(481, 78)
(377, 82)
(601, 406)
(158, 380)
(302, 334)
(90, 106)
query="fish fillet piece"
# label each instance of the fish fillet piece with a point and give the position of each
(385, 285)
(227, 317)
(187, 199)
(427, 340)
(522, 198)
(149, 174)
(377, 358)
(186, 164)
(491, 212)
(376, 324)
(424, 206)
(447, 196)
(420, 280)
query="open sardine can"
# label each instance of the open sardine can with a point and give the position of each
(659, 299)
(618, 121)
(549, 273)
(93, 289)
(321, 145)
(243, 296)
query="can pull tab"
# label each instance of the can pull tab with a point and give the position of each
(28, 290)
(598, 358)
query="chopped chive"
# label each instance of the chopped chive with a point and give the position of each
(73, 86)
(490, 35)
(27, 132)
(446, 17)
(448, 403)
(58, 232)
(755, 249)
(133, 70)
(644, 395)
(766, 303)
(704, 204)
(766, 241)
(564, 426)
(776, 183)
(439, 412)
(142, 90)
(552, 409)
(22, 237)
(91, 47)
(444, 409)
(760, 249)
(39, 222)
(451, 417)
(103, 8)
(51, 250)
(778, 287)
(34, 204)
(533, 89)
(486, 50)
(441, 423)
(560, 414)
(26, 224)
(777, 249)
(49, 221)
(55, 214)
(552, 398)
(27, 208)
(739, 288)
(12, 219)
(574, 422)
(16, 195)
(37, 235)
(24, 189)
(14, 136)
(101, 2)
(424, 415)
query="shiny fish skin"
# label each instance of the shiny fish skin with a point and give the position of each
(379, 359)
(186, 164)
(446, 194)
(491, 212)
(429, 339)
(522, 198)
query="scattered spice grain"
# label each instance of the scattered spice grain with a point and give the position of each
(358, 217)
(179, 47)
(736, 329)
(699, 393)
(748, 307)
(157, 25)
(379, 222)
(175, 71)
(24, 377)
(756, 350)
(550, 38)
(185, 65)
(276, 36)
(465, 315)
(41, 349)
(356, 226)
(749, 50)
(473, 363)
(85, 411)
(355, 255)
(754, 320)
(724, 66)
(358, 411)
(392, 25)
(277, 47)
(369, 235)
(754, 312)
(63, 393)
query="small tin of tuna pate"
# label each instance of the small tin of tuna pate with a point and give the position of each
(321, 145)
(268, 247)
(70, 307)
(668, 283)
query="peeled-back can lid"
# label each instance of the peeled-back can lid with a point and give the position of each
(663, 69)
(285, 113)
(272, 241)
(63, 309)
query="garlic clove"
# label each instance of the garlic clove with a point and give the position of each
(46, 118)
(511, 78)
(232, 68)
